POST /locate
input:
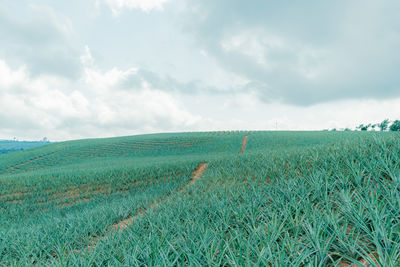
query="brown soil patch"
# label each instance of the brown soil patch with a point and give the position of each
(195, 176)
(125, 223)
(244, 142)
(373, 256)
(201, 168)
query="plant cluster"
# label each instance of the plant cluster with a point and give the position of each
(291, 199)
(385, 125)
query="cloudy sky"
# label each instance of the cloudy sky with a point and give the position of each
(96, 68)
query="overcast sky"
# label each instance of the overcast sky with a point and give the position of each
(96, 68)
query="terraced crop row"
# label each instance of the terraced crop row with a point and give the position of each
(273, 198)
(132, 147)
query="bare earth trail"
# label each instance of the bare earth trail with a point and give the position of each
(200, 169)
(244, 143)
(122, 225)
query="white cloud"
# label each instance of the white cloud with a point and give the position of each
(254, 44)
(149, 108)
(346, 50)
(231, 65)
(145, 5)
(96, 105)
(241, 111)
(42, 40)
(10, 78)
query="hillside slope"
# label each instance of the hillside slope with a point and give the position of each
(290, 198)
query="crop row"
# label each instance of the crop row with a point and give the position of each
(55, 214)
(59, 154)
(326, 206)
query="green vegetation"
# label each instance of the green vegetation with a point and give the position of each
(12, 146)
(385, 125)
(291, 199)
(395, 127)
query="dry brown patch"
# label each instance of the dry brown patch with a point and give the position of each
(244, 142)
(196, 174)
(373, 256)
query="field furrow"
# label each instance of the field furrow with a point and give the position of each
(285, 199)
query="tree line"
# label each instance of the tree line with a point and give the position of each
(385, 125)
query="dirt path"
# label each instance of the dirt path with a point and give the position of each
(200, 169)
(244, 142)
(122, 225)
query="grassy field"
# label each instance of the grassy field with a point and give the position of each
(290, 199)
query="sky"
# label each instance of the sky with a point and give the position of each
(101, 68)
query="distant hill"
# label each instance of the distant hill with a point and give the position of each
(7, 146)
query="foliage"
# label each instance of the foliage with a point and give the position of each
(291, 199)
(363, 127)
(395, 127)
(384, 125)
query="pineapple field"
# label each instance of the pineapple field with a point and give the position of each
(232, 198)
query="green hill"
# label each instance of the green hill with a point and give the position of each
(290, 199)
(12, 146)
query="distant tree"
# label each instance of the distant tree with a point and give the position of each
(347, 129)
(333, 130)
(45, 139)
(363, 127)
(384, 125)
(395, 127)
